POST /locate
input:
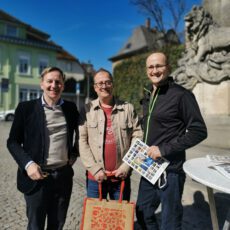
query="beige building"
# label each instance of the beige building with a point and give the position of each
(144, 39)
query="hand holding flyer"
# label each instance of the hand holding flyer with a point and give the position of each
(137, 158)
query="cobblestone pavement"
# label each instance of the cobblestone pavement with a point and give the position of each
(12, 213)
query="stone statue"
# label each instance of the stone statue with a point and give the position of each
(207, 54)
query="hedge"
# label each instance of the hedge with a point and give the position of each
(130, 76)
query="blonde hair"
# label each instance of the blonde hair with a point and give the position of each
(51, 69)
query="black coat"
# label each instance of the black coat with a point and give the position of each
(26, 139)
(175, 122)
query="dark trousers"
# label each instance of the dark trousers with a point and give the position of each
(108, 188)
(150, 197)
(50, 199)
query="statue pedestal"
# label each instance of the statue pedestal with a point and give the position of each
(213, 99)
(214, 102)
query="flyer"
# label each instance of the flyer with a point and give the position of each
(220, 163)
(137, 158)
(219, 159)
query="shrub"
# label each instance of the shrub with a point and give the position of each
(130, 75)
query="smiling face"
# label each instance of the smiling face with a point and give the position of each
(52, 84)
(103, 86)
(157, 68)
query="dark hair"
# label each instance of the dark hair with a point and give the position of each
(105, 71)
(51, 69)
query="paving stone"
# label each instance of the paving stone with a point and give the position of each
(13, 212)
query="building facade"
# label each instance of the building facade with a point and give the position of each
(143, 40)
(24, 53)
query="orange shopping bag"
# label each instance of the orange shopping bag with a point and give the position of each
(101, 214)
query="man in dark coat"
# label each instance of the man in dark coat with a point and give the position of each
(172, 123)
(41, 142)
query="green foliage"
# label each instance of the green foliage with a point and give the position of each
(130, 75)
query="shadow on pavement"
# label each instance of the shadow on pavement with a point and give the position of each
(197, 215)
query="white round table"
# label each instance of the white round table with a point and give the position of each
(199, 170)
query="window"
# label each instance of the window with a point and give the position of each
(69, 67)
(24, 64)
(29, 94)
(43, 63)
(23, 95)
(11, 30)
(33, 94)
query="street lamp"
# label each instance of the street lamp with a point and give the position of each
(89, 68)
(77, 88)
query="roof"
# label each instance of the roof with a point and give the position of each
(34, 37)
(142, 39)
(6, 17)
(63, 54)
(30, 42)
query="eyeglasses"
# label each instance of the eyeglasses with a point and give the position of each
(151, 67)
(106, 83)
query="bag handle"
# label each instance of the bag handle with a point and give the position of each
(121, 189)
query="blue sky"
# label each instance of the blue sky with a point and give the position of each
(91, 30)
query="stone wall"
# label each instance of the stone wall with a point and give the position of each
(213, 99)
(214, 102)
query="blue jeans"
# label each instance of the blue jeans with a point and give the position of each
(108, 188)
(150, 197)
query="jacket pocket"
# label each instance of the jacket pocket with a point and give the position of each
(92, 131)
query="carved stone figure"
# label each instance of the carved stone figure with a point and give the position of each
(219, 9)
(207, 55)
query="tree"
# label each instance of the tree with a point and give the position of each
(156, 10)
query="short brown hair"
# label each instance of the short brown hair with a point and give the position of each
(51, 69)
(105, 71)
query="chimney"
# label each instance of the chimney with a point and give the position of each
(148, 23)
